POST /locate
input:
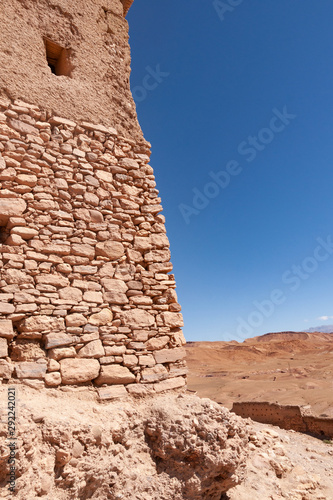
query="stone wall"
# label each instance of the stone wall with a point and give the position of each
(96, 87)
(295, 417)
(85, 292)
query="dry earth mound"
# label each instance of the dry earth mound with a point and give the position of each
(70, 446)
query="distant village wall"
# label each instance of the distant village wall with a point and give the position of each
(287, 417)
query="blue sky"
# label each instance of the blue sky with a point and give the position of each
(237, 102)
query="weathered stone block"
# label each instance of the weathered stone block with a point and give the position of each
(113, 392)
(6, 369)
(156, 343)
(73, 295)
(42, 323)
(93, 349)
(58, 353)
(137, 318)
(78, 370)
(53, 379)
(3, 348)
(104, 317)
(115, 350)
(10, 207)
(172, 319)
(169, 355)
(115, 374)
(6, 329)
(154, 374)
(27, 369)
(171, 383)
(57, 339)
(117, 298)
(113, 250)
(76, 319)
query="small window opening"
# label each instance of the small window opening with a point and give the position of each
(57, 58)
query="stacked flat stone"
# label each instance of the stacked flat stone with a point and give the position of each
(86, 294)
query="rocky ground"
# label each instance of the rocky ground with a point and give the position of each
(166, 447)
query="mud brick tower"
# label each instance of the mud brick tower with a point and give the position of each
(86, 297)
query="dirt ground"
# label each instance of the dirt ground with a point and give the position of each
(285, 368)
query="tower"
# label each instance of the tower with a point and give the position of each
(86, 294)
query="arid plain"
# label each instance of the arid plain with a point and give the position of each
(285, 368)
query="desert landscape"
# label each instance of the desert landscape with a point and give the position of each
(286, 368)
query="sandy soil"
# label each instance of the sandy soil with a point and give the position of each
(287, 368)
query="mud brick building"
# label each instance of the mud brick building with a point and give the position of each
(86, 294)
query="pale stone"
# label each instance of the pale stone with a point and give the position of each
(42, 323)
(53, 365)
(139, 390)
(101, 318)
(137, 318)
(159, 240)
(91, 199)
(3, 348)
(129, 359)
(115, 374)
(113, 250)
(172, 319)
(53, 379)
(27, 180)
(52, 279)
(114, 285)
(107, 270)
(151, 209)
(115, 350)
(114, 392)
(16, 277)
(154, 374)
(75, 371)
(58, 353)
(71, 294)
(157, 343)
(14, 240)
(26, 308)
(75, 319)
(171, 383)
(147, 360)
(170, 355)
(88, 337)
(158, 256)
(93, 349)
(83, 250)
(104, 176)
(56, 120)
(6, 308)
(90, 296)
(141, 300)
(27, 369)
(78, 449)
(178, 338)
(142, 243)
(115, 298)
(23, 127)
(6, 369)
(129, 163)
(176, 370)
(6, 329)
(25, 233)
(56, 339)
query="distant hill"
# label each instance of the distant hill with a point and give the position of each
(322, 329)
